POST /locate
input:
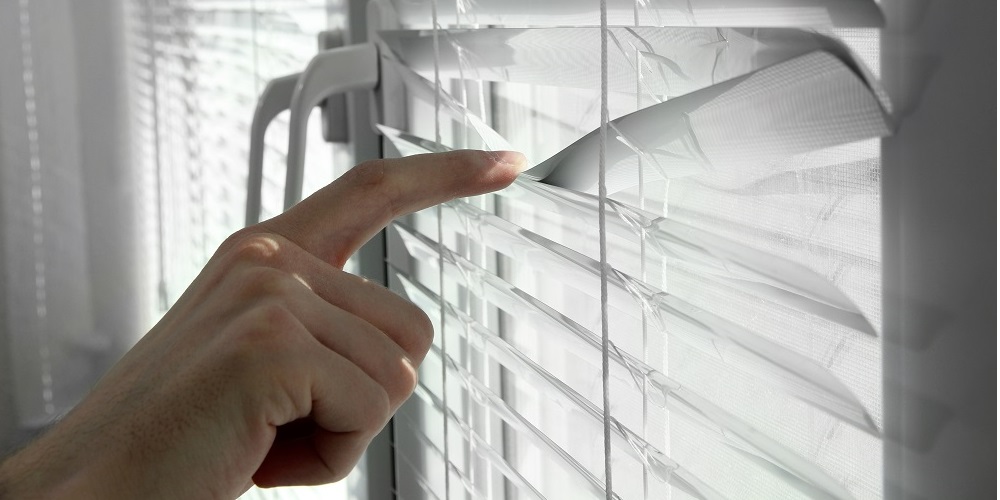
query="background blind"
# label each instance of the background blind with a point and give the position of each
(744, 240)
(196, 70)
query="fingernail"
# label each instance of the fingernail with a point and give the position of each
(512, 158)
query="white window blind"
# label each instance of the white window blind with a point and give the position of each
(742, 238)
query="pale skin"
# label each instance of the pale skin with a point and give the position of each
(275, 367)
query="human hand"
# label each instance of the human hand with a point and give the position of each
(274, 367)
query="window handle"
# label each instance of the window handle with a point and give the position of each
(277, 97)
(336, 71)
(329, 73)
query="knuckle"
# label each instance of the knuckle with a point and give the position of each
(421, 329)
(262, 349)
(254, 248)
(257, 339)
(347, 456)
(407, 377)
(266, 326)
(379, 410)
(235, 238)
(339, 474)
(274, 317)
(266, 283)
(264, 340)
(369, 175)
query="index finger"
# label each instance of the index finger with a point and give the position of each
(335, 221)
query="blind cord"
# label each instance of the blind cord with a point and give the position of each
(642, 254)
(602, 193)
(440, 232)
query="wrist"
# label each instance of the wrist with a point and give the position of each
(41, 472)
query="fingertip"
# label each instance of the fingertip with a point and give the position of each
(501, 169)
(511, 159)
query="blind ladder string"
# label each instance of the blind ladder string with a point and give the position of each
(602, 191)
(440, 234)
(471, 309)
(642, 254)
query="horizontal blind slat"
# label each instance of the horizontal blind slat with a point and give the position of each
(481, 446)
(753, 13)
(769, 275)
(515, 420)
(811, 102)
(672, 61)
(737, 265)
(625, 442)
(660, 390)
(793, 373)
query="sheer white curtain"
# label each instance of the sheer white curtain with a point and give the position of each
(74, 292)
